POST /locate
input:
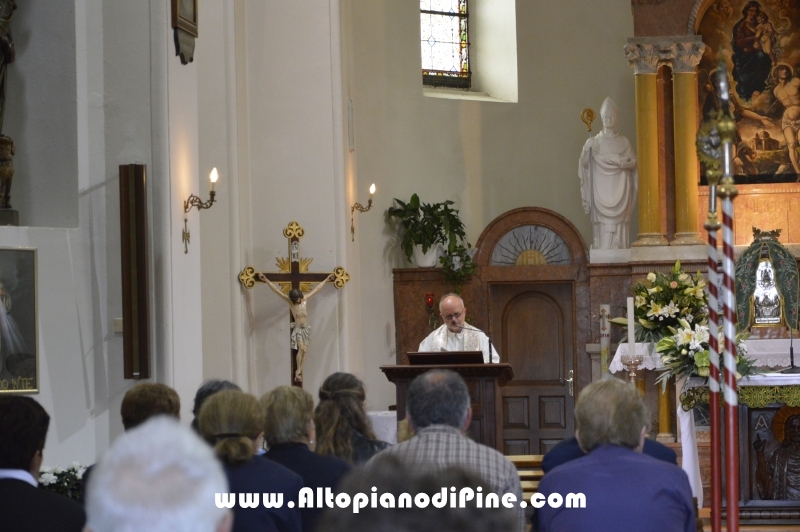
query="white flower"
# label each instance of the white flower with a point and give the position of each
(689, 318)
(655, 309)
(76, 465)
(670, 310)
(640, 301)
(684, 336)
(47, 478)
(80, 472)
(45, 470)
(683, 277)
(701, 333)
(651, 277)
(58, 470)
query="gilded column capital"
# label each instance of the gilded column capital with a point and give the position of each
(687, 55)
(644, 57)
(682, 53)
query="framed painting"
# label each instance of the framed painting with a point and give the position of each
(19, 360)
(759, 42)
(184, 16)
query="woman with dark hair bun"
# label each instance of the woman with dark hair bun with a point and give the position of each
(232, 422)
(343, 428)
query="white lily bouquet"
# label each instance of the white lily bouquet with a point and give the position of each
(671, 312)
(63, 481)
(662, 300)
(685, 352)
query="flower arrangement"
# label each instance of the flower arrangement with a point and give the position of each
(685, 352)
(662, 300)
(63, 481)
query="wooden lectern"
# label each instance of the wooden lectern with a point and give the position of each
(483, 382)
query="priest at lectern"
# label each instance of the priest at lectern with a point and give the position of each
(455, 334)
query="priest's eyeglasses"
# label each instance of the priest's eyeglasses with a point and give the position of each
(455, 316)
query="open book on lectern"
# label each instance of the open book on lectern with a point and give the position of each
(443, 358)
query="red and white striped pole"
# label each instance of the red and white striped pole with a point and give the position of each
(712, 225)
(727, 191)
(708, 150)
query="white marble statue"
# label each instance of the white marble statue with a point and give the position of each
(607, 169)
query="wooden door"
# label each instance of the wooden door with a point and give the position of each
(532, 325)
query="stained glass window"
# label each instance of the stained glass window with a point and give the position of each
(445, 43)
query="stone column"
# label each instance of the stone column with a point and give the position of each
(687, 54)
(643, 54)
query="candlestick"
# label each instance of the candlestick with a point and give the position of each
(605, 339)
(631, 330)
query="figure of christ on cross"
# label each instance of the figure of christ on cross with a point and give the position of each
(301, 332)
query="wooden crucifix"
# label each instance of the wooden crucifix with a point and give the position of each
(295, 285)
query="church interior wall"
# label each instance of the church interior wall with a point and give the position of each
(265, 102)
(124, 102)
(216, 78)
(42, 81)
(286, 109)
(487, 157)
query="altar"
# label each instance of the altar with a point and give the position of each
(769, 433)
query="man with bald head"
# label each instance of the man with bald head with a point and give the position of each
(455, 334)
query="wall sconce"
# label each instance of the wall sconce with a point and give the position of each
(194, 201)
(360, 208)
(432, 321)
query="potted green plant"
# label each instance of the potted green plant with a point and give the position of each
(427, 225)
(458, 266)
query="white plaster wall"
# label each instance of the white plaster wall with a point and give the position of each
(40, 114)
(133, 103)
(291, 102)
(487, 157)
(223, 304)
(493, 48)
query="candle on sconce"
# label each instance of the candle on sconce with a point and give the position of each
(214, 175)
(371, 190)
(631, 330)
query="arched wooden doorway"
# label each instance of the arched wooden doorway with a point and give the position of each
(534, 284)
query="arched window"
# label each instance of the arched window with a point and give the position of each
(445, 43)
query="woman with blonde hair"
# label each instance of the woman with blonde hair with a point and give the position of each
(232, 422)
(289, 433)
(343, 428)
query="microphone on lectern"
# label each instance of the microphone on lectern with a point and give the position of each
(464, 326)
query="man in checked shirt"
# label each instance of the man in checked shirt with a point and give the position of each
(438, 409)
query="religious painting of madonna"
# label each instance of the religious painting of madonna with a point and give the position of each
(19, 368)
(759, 41)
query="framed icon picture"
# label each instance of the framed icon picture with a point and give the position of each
(19, 360)
(184, 16)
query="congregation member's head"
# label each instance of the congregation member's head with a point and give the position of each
(393, 479)
(340, 416)
(289, 416)
(206, 390)
(23, 430)
(158, 477)
(232, 422)
(611, 412)
(146, 400)
(438, 397)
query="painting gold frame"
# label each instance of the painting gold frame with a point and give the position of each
(184, 16)
(19, 334)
